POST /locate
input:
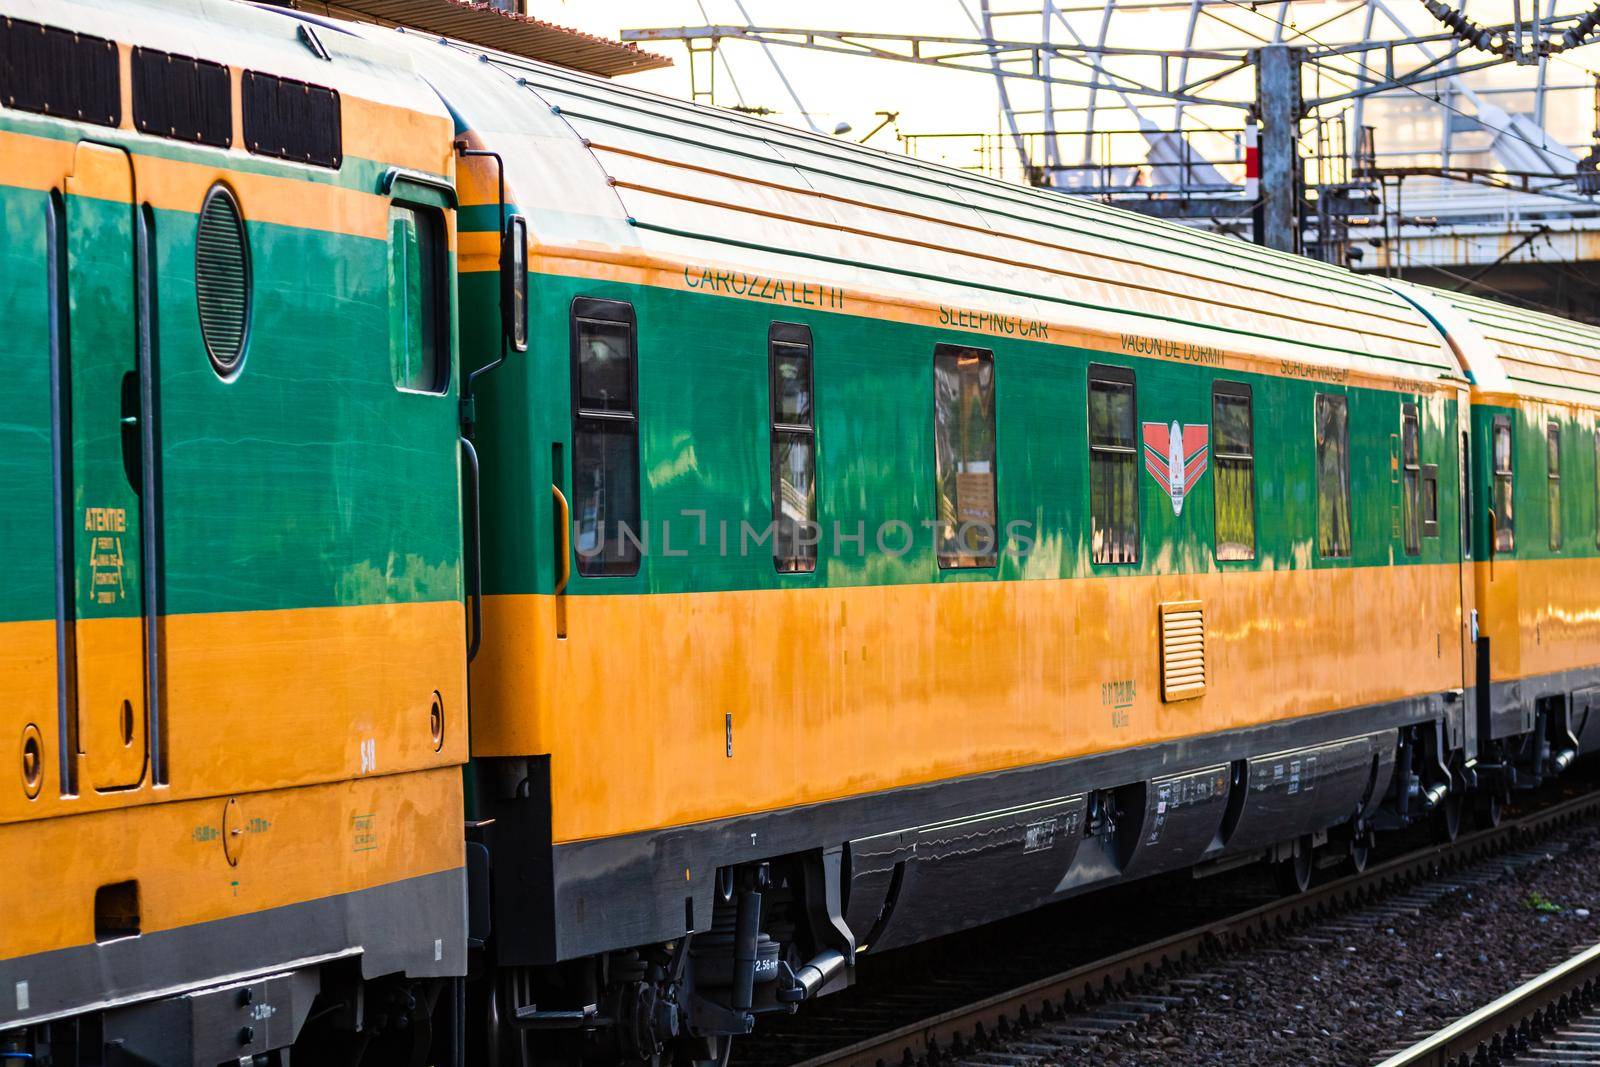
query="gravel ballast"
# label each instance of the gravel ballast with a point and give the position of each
(1345, 994)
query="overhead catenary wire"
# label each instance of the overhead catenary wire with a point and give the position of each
(1380, 77)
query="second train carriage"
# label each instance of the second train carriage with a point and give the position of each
(1535, 484)
(756, 684)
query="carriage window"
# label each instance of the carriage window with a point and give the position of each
(1411, 472)
(1333, 476)
(1430, 500)
(1233, 433)
(1113, 466)
(418, 301)
(794, 449)
(964, 454)
(605, 438)
(1505, 536)
(1552, 436)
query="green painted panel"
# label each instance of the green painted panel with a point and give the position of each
(27, 524)
(1579, 495)
(105, 455)
(308, 480)
(704, 440)
(296, 483)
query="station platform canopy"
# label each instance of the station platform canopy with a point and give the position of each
(502, 25)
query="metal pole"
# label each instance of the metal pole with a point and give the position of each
(1279, 104)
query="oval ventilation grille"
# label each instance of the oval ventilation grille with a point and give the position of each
(222, 280)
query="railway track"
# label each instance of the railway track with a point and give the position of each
(1050, 1016)
(1548, 1020)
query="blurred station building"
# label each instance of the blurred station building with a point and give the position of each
(1449, 141)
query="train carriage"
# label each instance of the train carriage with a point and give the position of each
(1536, 481)
(233, 649)
(913, 550)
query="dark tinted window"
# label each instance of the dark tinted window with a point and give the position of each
(605, 439)
(1333, 476)
(794, 449)
(605, 369)
(1113, 466)
(419, 345)
(964, 454)
(57, 72)
(291, 119)
(1411, 477)
(1430, 500)
(1504, 517)
(181, 97)
(1552, 435)
(1233, 452)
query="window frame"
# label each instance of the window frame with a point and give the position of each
(791, 335)
(443, 289)
(594, 309)
(1411, 478)
(1430, 491)
(1218, 457)
(1343, 401)
(963, 559)
(1502, 524)
(1553, 463)
(1114, 375)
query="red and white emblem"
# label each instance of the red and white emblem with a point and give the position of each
(1176, 457)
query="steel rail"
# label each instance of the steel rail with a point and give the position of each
(1003, 1012)
(1505, 1026)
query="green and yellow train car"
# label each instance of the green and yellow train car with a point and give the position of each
(879, 550)
(233, 642)
(1536, 483)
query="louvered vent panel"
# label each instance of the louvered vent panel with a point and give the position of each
(222, 280)
(1183, 651)
(58, 72)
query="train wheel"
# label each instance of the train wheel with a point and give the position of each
(1447, 820)
(1360, 852)
(1488, 810)
(1293, 875)
(703, 1052)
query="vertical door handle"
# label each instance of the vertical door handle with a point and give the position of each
(132, 436)
(563, 539)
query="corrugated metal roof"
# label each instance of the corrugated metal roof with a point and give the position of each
(1514, 350)
(598, 163)
(489, 26)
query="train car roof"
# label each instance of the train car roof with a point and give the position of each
(247, 36)
(1512, 351)
(608, 172)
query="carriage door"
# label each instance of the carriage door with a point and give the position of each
(101, 397)
(1466, 507)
